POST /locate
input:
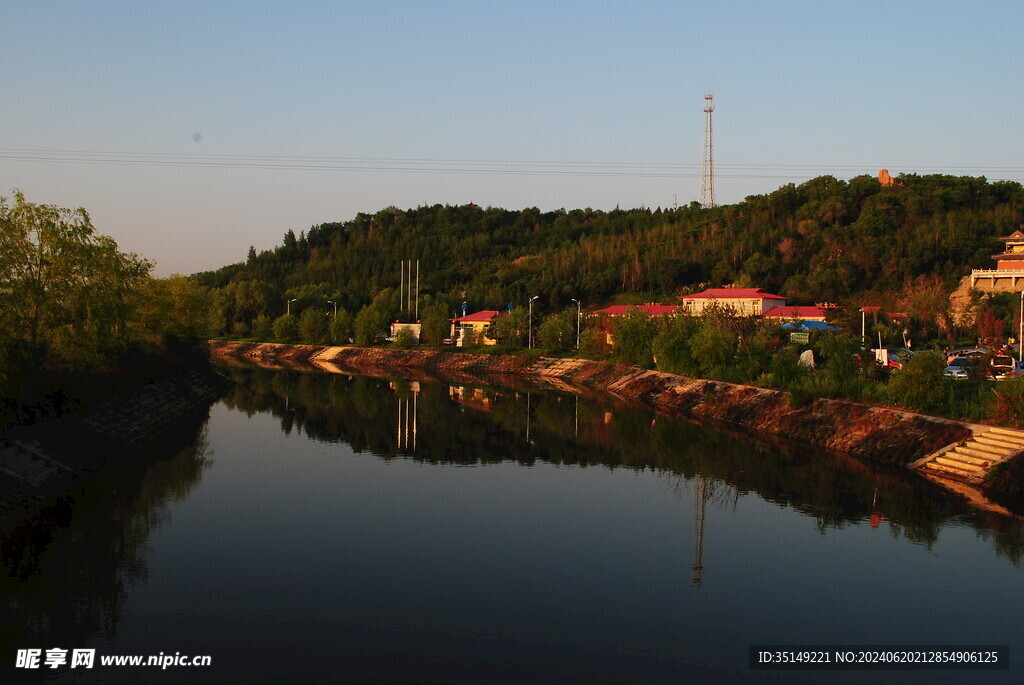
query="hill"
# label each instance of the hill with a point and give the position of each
(824, 240)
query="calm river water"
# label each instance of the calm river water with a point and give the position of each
(326, 528)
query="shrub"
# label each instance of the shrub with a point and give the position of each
(557, 332)
(633, 337)
(920, 385)
(313, 325)
(404, 339)
(286, 327)
(262, 329)
(341, 329)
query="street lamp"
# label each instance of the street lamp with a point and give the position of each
(294, 299)
(862, 328)
(1020, 333)
(531, 319)
(335, 307)
(579, 315)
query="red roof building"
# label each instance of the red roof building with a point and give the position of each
(649, 309)
(744, 301)
(486, 316)
(789, 313)
(473, 328)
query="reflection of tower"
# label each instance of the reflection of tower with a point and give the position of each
(707, 170)
(407, 422)
(528, 442)
(700, 501)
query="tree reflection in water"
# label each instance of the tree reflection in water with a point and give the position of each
(67, 571)
(495, 424)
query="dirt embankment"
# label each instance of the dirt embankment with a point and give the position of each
(875, 433)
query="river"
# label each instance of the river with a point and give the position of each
(323, 527)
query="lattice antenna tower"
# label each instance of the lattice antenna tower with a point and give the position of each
(707, 170)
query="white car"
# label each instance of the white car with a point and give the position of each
(956, 372)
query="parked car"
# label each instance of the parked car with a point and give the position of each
(959, 373)
(972, 352)
(1000, 367)
(961, 368)
(894, 358)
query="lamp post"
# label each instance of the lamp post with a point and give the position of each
(531, 319)
(862, 328)
(579, 315)
(294, 299)
(335, 307)
(1020, 333)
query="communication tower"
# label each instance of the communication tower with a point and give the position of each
(707, 170)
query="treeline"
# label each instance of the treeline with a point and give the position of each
(79, 317)
(848, 242)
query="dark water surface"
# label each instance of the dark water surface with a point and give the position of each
(322, 528)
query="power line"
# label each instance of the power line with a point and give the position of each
(470, 166)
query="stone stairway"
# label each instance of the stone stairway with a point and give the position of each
(970, 461)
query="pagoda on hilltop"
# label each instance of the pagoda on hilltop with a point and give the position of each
(1009, 269)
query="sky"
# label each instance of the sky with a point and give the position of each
(192, 130)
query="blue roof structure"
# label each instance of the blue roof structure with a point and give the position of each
(808, 326)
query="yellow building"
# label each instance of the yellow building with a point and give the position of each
(468, 329)
(743, 301)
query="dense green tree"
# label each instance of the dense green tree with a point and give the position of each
(286, 327)
(634, 334)
(62, 283)
(714, 343)
(672, 348)
(370, 325)
(80, 317)
(313, 325)
(920, 385)
(342, 328)
(262, 328)
(404, 339)
(557, 331)
(511, 328)
(435, 325)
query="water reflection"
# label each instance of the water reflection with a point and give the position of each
(321, 537)
(496, 424)
(67, 572)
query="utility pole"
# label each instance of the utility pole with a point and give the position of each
(579, 316)
(531, 319)
(707, 170)
(700, 503)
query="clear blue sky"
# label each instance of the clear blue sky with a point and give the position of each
(203, 117)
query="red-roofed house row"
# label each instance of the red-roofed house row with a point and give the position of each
(744, 301)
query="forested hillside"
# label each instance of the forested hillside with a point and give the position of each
(824, 240)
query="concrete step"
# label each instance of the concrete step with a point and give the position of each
(1005, 443)
(951, 470)
(948, 460)
(1008, 432)
(956, 453)
(984, 451)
